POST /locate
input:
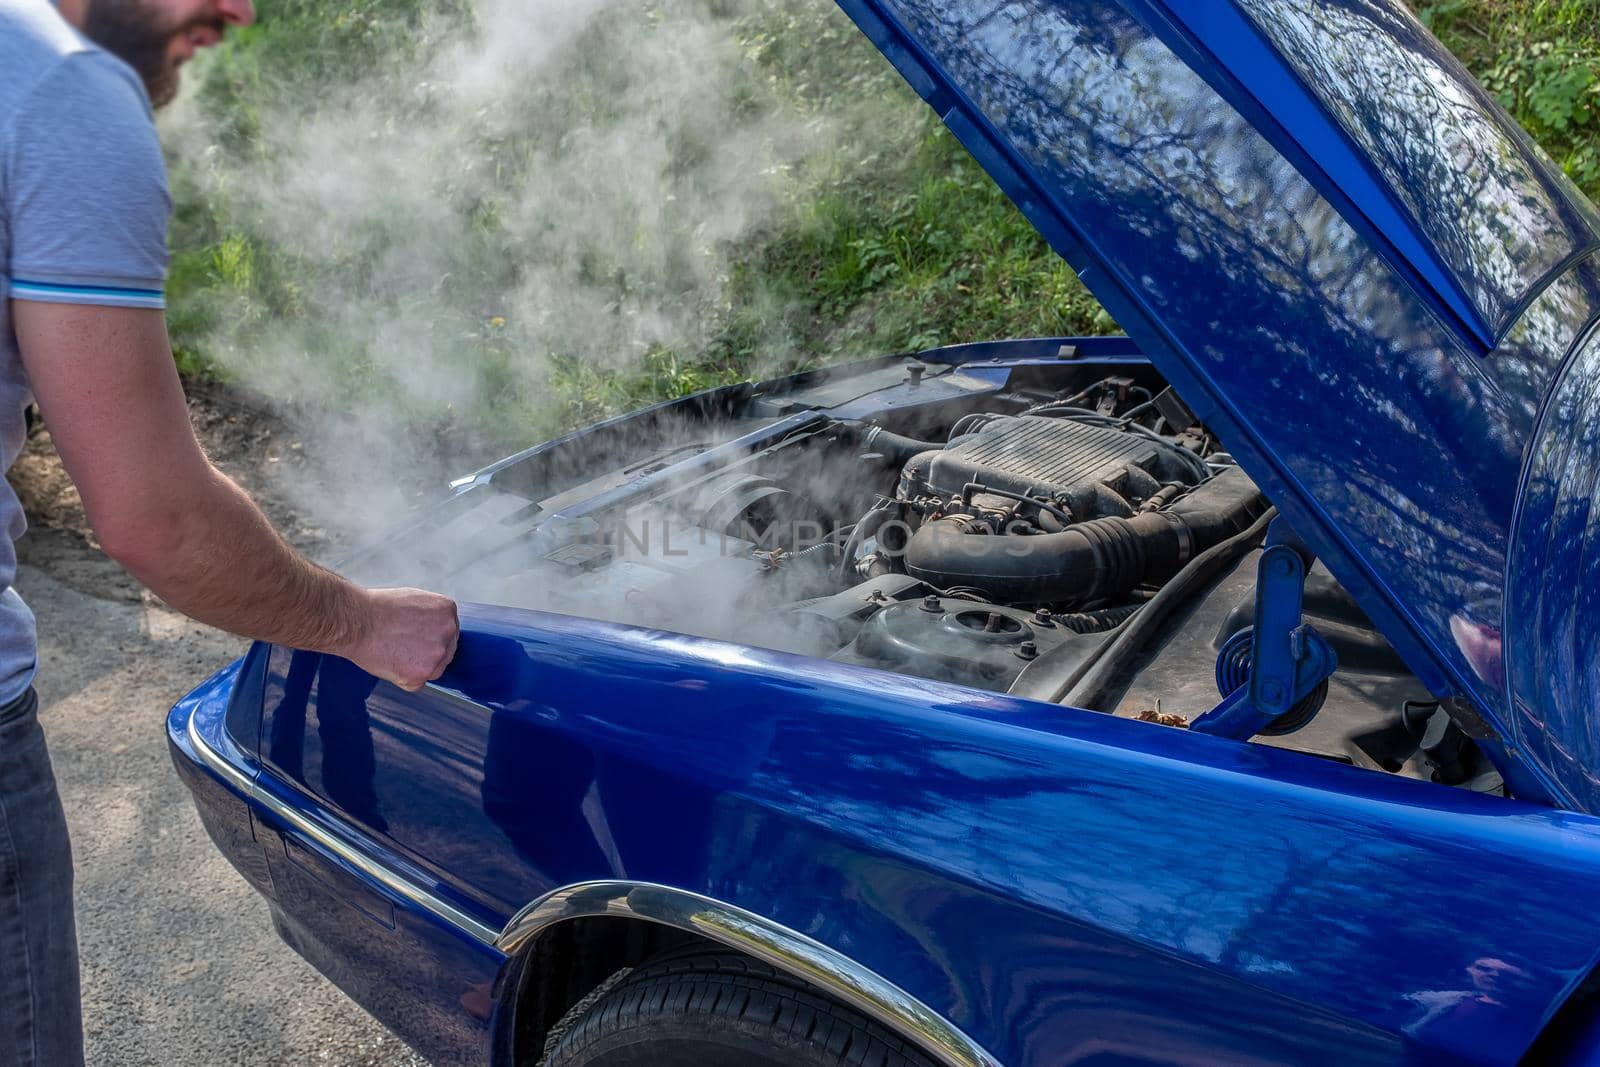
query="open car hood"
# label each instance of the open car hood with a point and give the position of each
(1365, 279)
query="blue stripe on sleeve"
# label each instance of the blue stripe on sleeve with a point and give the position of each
(83, 290)
(87, 294)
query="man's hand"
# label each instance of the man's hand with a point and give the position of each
(105, 380)
(409, 638)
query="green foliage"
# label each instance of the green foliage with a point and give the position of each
(887, 238)
(1541, 58)
(930, 253)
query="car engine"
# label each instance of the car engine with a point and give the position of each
(1092, 547)
(1018, 537)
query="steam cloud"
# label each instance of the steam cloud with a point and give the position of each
(552, 187)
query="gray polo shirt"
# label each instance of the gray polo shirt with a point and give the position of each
(83, 220)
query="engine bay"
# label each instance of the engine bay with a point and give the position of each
(1090, 545)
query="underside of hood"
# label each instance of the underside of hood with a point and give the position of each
(1363, 277)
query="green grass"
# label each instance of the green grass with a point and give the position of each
(888, 238)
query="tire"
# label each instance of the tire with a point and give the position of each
(719, 1009)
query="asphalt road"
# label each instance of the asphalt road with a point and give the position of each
(180, 962)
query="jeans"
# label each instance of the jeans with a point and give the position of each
(40, 1015)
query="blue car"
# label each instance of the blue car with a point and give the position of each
(1222, 693)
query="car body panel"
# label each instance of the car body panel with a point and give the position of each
(1553, 647)
(1390, 436)
(430, 979)
(1057, 883)
(1460, 192)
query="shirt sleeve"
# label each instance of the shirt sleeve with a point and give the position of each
(87, 191)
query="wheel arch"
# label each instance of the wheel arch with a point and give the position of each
(566, 943)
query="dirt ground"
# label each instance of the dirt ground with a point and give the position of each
(180, 963)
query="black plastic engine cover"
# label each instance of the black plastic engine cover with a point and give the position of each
(1094, 471)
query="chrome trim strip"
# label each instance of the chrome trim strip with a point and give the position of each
(788, 950)
(334, 842)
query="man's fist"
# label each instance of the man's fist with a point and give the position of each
(406, 636)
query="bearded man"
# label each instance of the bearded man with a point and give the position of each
(83, 258)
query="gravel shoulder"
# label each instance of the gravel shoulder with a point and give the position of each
(181, 965)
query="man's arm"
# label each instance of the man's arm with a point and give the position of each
(105, 381)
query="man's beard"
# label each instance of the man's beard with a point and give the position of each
(130, 30)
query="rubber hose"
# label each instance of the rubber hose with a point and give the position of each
(1089, 560)
(864, 529)
(895, 447)
(1096, 622)
(1093, 685)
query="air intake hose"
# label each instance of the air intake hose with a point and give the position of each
(896, 448)
(1088, 561)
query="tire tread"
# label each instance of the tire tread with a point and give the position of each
(738, 989)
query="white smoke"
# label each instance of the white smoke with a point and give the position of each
(549, 193)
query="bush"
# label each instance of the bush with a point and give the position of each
(1542, 59)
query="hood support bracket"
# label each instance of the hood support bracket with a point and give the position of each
(1273, 676)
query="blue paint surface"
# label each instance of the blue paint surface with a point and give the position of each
(1052, 880)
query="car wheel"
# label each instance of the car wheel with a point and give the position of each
(724, 1010)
